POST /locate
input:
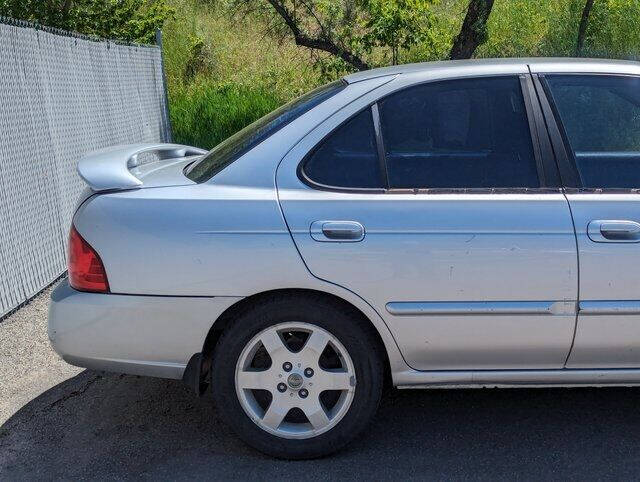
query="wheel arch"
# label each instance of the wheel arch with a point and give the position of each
(387, 345)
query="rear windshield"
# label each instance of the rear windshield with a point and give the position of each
(241, 142)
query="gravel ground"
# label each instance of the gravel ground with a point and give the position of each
(28, 365)
(61, 422)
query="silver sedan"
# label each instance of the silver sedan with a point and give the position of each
(453, 224)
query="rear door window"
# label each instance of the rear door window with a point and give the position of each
(601, 119)
(347, 158)
(470, 133)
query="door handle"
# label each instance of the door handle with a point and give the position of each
(337, 231)
(614, 231)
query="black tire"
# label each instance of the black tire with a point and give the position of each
(343, 322)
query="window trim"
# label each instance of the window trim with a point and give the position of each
(566, 158)
(545, 164)
(382, 157)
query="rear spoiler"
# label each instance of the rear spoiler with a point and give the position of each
(109, 169)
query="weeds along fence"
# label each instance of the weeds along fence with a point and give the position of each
(62, 95)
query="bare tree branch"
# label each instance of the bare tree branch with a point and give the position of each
(474, 29)
(582, 29)
(318, 43)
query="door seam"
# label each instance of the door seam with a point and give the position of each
(573, 222)
(575, 235)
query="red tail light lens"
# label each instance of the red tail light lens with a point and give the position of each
(86, 271)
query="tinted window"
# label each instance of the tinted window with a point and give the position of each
(348, 157)
(470, 133)
(232, 148)
(601, 117)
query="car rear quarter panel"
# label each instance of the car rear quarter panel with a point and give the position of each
(199, 240)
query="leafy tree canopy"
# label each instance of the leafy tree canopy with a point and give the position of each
(128, 20)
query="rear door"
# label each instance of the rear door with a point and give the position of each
(599, 134)
(435, 204)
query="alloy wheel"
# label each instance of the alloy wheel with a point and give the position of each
(295, 380)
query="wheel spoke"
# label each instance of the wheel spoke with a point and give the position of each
(256, 380)
(328, 380)
(316, 414)
(273, 343)
(316, 342)
(275, 414)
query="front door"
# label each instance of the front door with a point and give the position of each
(434, 205)
(600, 116)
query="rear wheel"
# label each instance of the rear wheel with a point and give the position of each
(297, 378)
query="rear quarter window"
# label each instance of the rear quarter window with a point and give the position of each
(347, 158)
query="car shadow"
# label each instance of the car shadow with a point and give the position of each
(99, 425)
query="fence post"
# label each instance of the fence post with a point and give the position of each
(169, 129)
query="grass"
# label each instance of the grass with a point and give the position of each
(224, 72)
(206, 113)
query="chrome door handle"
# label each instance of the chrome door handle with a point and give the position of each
(337, 231)
(614, 231)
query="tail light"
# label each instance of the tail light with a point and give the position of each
(86, 271)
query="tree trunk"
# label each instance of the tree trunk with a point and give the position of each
(474, 29)
(582, 29)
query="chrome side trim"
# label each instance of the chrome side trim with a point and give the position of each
(516, 378)
(426, 308)
(631, 307)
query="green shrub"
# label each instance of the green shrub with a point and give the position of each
(129, 20)
(204, 114)
(199, 60)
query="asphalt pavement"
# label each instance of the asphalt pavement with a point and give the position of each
(61, 422)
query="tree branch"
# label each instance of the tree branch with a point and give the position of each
(474, 29)
(318, 43)
(582, 29)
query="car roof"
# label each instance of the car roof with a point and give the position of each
(500, 66)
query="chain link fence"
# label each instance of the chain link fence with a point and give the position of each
(62, 95)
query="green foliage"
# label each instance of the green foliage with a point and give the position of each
(205, 113)
(550, 28)
(128, 20)
(231, 48)
(396, 24)
(223, 72)
(331, 68)
(269, 69)
(199, 60)
(228, 62)
(378, 32)
(445, 22)
(614, 29)
(517, 28)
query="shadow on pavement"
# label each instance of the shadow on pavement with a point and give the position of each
(98, 425)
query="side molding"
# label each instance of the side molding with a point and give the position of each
(426, 308)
